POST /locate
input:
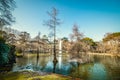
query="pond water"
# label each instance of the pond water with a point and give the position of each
(101, 67)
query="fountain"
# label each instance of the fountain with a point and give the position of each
(60, 46)
(60, 53)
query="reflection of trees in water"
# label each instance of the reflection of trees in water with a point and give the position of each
(64, 60)
(37, 57)
(54, 66)
(112, 65)
(43, 61)
(34, 59)
(97, 58)
(102, 66)
(108, 67)
(21, 61)
(61, 65)
(81, 71)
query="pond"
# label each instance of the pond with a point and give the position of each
(101, 67)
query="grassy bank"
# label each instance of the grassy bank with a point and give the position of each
(40, 54)
(31, 54)
(28, 75)
(105, 54)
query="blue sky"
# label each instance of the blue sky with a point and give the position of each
(94, 17)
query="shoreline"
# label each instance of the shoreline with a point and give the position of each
(105, 54)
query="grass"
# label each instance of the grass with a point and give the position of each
(19, 54)
(49, 77)
(28, 75)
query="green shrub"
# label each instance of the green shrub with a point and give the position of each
(4, 50)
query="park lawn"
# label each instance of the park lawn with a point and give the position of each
(29, 75)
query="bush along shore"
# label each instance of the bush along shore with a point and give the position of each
(7, 55)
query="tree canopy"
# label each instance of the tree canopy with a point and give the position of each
(88, 40)
(112, 36)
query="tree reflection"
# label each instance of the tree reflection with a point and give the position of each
(81, 71)
(54, 66)
(112, 65)
(37, 59)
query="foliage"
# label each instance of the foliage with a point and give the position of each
(4, 50)
(44, 37)
(2, 40)
(65, 39)
(3, 34)
(89, 42)
(112, 36)
(112, 42)
(6, 7)
(18, 50)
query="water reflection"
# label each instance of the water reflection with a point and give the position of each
(37, 57)
(54, 66)
(60, 61)
(102, 68)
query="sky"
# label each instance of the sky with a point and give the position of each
(94, 17)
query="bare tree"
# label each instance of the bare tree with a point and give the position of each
(11, 38)
(76, 44)
(24, 37)
(76, 35)
(52, 23)
(6, 17)
(37, 38)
